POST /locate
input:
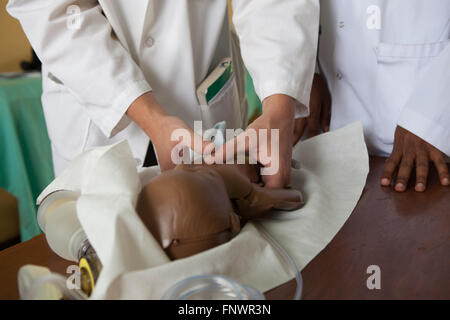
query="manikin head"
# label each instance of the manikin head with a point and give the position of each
(193, 208)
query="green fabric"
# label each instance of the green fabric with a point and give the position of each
(254, 104)
(26, 166)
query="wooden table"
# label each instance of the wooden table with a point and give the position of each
(406, 234)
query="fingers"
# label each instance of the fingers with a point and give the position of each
(389, 168)
(299, 128)
(313, 127)
(277, 171)
(220, 155)
(422, 165)
(282, 176)
(442, 168)
(325, 116)
(405, 156)
(404, 171)
(200, 145)
(319, 107)
(243, 144)
(165, 161)
(276, 181)
(313, 122)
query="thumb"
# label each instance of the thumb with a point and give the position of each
(198, 143)
(238, 146)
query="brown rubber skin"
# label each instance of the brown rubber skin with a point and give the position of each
(193, 208)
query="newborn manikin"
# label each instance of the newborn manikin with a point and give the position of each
(193, 208)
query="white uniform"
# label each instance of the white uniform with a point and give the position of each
(99, 56)
(387, 63)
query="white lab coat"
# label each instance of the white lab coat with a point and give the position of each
(387, 63)
(93, 73)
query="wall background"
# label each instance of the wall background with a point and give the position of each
(14, 46)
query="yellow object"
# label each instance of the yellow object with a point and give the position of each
(9, 217)
(87, 277)
(14, 45)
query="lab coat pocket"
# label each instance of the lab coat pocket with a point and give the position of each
(399, 67)
(67, 122)
(224, 106)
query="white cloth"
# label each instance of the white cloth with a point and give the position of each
(334, 167)
(96, 65)
(388, 63)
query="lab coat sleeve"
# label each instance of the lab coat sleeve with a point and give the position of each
(278, 42)
(427, 113)
(81, 51)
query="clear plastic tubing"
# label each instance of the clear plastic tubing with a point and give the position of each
(287, 259)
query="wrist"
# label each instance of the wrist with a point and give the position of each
(147, 113)
(279, 106)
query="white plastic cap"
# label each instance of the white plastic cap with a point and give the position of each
(64, 233)
(50, 202)
(57, 217)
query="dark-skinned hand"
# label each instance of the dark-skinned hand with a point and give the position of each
(319, 108)
(411, 152)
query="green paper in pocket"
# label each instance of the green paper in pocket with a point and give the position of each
(215, 81)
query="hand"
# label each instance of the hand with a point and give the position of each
(159, 126)
(320, 111)
(410, 150)
(278, 113)
(165, 144)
